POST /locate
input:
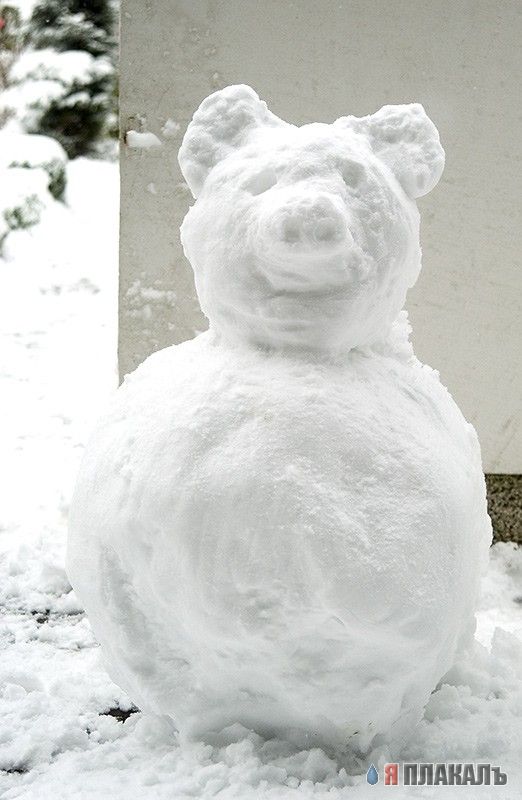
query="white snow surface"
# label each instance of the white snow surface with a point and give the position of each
(58, 328)
(265, 532)
(65, 67)
(32, 149)
(25, 7)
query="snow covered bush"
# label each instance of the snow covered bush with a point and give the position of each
(24, 196)
(10, 40)
(73, 25)
(64, 85)
(29, 151)
(32, 174)
(9, 27)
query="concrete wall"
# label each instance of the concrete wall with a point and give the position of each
(317, 60)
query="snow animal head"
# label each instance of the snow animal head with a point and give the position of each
(305, 237)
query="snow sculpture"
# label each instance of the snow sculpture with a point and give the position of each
(283, 521)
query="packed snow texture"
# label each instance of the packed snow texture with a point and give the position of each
(170, 129)
(305, 237)
(282, 523)
(142, 140)
(61, 734)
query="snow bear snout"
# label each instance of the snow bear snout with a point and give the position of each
(310, 225)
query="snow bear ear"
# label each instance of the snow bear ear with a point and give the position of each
(222, 123)
(405, 138)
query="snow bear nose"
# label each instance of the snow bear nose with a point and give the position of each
(311, 224)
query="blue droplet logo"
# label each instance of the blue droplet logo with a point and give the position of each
(372, 776)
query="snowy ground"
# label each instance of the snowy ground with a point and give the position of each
(57, 739)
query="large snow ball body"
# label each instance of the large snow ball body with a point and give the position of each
(290, 544)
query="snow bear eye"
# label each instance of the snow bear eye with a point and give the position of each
(261, 182)
(352, 173)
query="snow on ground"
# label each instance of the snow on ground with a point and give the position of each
(57, 739)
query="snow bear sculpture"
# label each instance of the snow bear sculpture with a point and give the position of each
(283, 522)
